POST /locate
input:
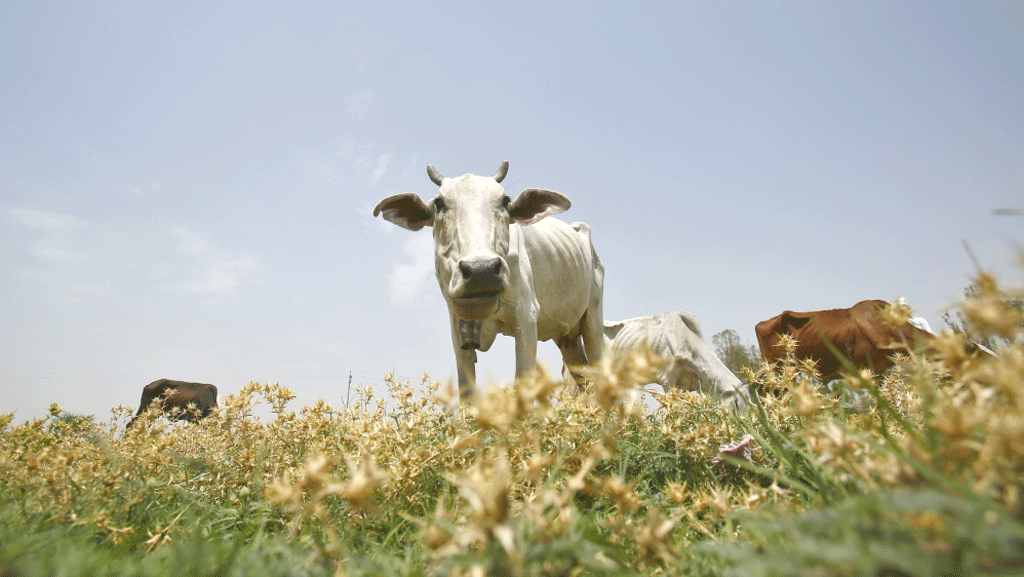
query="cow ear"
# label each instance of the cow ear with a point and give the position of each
(534, 204)
(612, 328)
(691, 323)
(407, 210)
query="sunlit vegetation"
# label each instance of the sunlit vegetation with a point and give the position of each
(736, 356)
(927, 479)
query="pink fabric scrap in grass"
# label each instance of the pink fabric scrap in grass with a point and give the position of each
(740, 449)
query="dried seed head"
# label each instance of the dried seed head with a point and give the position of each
(622, 493)
(991, 315)
(807, 401)
(486, 488)
(364, 480)
(653, 541)
(677, 492)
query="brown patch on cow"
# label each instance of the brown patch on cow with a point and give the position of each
(180, 401)
(859, 334)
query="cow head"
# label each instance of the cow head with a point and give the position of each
(471, 215)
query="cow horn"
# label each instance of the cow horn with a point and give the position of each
(434, 175)
(502, 171)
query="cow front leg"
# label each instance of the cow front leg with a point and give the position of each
(465, 361)
(526, 350)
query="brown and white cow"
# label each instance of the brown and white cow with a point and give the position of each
(858, 334)
(180, 401)
(505, 268)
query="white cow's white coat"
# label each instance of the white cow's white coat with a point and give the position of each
(692, 365)
(542, 279)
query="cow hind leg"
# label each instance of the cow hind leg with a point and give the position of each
(592, 333)
(573, 356)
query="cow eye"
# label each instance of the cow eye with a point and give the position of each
(505, 201)
(439, 204)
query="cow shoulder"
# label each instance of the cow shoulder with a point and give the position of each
(634, 333)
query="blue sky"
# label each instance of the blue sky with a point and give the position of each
(186, 189)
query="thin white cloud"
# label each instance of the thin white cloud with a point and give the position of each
(58, 255)
(224, 276)
(211, 269)
(47, 221)
(141, 190)
(190, 241)
(313, 162)
(382, 167)
(407, 280)
(371, 164)
(345, 163)
(55, 244)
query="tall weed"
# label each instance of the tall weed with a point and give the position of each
(925, 479)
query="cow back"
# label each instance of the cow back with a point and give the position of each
(858, 334)
(179, 395)
(690, 363)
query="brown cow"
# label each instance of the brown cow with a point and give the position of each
(858, 333)
(181, 401)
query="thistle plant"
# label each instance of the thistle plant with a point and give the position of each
(925, 479)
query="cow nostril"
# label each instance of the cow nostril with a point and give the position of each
(485, 268)
(495, 267)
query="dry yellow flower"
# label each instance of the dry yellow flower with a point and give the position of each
(807, 401)
(622, 493)
(653, 541)
(677, 492)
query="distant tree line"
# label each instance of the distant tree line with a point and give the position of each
(734, 354)
(958, 324)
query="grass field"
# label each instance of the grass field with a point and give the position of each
(927, 480)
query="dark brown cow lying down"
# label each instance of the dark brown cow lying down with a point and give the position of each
(180, 395)
(858, 333)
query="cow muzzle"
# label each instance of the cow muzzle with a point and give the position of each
(476, 308)
(482, 287)
(481, 277)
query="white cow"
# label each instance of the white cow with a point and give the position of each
(498, 275)
(692, 364)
